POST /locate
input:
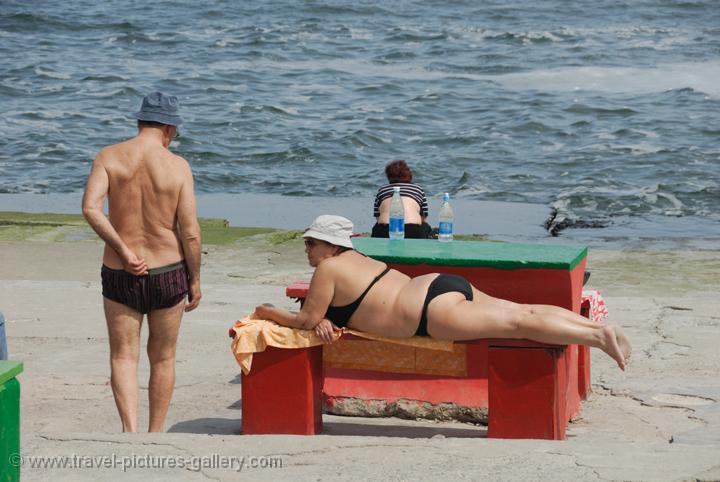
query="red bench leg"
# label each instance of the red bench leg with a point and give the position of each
(584, 388)
(584, 371)
(283, 392)
(573, 381)
(527, 392)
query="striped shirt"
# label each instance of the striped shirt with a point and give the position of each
(407, 189)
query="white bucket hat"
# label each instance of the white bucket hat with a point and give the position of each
(333, 229)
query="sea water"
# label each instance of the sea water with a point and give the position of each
(600, 110)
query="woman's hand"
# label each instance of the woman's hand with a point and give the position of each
(325, 329)
(263, 311)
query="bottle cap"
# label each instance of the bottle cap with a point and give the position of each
(446, 196)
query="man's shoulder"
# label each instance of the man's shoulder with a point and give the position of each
(178, 158)
(115, 149)
(180, 161)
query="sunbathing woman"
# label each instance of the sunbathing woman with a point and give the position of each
(350, 289)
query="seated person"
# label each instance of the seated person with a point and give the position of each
(413, 197)
(350, 289)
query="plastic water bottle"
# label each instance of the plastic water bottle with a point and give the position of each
(397, 215)
(445, 220)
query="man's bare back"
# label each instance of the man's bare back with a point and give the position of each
(152, 210)
(145, 183)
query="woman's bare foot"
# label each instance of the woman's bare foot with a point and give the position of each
(624, 342)
(611, 345)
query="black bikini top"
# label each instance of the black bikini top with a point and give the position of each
(340, 315)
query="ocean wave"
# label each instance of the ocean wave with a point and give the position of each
(351, 9)
(410, 36)
(600, 111)
(30, 22)
(697, 76)
(526, 37)
(50, 73)
(481, 34)
(105, 78)
(534, 127)
(34, 23)
(124, 92)
(394, 55)
(8, 89)
(586, 202)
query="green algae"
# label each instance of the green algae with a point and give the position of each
(54, 227)
(14, 218)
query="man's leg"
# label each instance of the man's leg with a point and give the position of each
(164, 326)
(124, 331)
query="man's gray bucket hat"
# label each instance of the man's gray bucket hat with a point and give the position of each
(158, 107)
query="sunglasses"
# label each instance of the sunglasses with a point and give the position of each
(309, 242)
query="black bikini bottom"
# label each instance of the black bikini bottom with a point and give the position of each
(444, 283)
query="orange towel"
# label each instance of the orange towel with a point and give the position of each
(252, 336)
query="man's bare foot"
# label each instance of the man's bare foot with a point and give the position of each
(624, 342)
(611, 346)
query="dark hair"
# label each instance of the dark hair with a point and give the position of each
(398, 171)
(142, 123)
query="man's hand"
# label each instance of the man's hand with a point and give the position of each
(133, 264)
(194, 295)
(325, 329)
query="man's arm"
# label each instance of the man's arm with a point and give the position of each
(190, 238)
(92, 207)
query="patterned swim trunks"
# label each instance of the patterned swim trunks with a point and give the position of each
(162, 287)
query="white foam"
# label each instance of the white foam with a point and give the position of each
(51, 74)
(287, 110)
(640, 148)
(360, 34)
(701, 77)
(207, 34)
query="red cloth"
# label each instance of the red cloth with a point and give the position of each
(598, 308)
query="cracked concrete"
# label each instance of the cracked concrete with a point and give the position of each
(659, 420)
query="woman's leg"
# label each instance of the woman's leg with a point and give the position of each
(451, 317)
(571, 316)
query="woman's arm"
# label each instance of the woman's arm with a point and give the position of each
(316, 304)
(324, 329)
(266, 311)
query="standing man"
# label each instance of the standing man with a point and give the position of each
(152, 253)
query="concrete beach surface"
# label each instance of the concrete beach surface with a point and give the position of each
(659, 420)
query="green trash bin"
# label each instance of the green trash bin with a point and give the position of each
(10, 421)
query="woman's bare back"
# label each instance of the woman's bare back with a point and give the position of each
(391, 307)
